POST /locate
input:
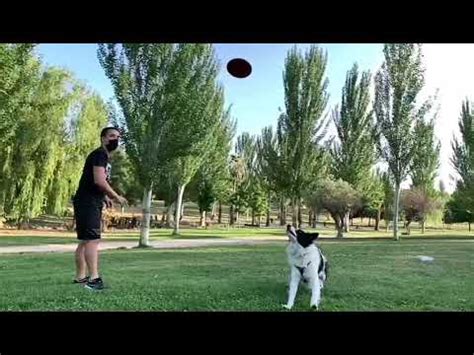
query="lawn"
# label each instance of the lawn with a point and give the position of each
(364, 276)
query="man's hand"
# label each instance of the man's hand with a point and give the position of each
(108, 202)
(121, 200)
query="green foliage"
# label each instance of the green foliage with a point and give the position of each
(425, 160)
(43, 157)
(460, 208)
(212, 180)
(302, 126)
(272, 163)
(463, 149)
(19, 73)
(338, 198)
(258, 199)
(417, 204)
(353, 156)
(124, 178)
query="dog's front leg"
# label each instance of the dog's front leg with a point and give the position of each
(294, 282)
(316, 293)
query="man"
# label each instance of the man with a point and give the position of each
(94, 189)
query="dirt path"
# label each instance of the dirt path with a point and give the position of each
(165, 244)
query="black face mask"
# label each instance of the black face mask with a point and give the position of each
(112, 145)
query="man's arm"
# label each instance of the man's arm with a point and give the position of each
(100, 179)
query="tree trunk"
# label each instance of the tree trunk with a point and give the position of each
(145, 225)
(219, 216)
(315, 218)
(169, 217)
(294, 213)
(339, 222)
(202, 219)
(253, 217)
(377, 219)
(395, 212)
(181, 215)
(282, 212)
(310, 217)
(267, 222)
(179, 201)
(300, 214)
(231, 215)
(469, 226)
(423, 227)
(346, 222)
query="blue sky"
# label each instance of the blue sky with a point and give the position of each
(255, 100)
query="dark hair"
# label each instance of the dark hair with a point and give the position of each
(104, 132)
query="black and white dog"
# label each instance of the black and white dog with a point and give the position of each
(307, 264)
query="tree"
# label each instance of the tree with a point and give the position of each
(243, 173)
(397, 85)
(461, 206)
(19, 72)
(19, 76)
(257, 200)
(273, 165)
(124, 179)
(38, 146)
(353, 155)
(142, 76)
(211, 182)
(425, 160)
(303, 125)
(373, 197)
(417, 204)
(455, 209)
(463, 148)
(238, 172)
(87, 116)
(337, 197)
(170, 104)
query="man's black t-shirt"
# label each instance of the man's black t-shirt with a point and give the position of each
(88, 191)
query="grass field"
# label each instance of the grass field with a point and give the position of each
(364, 276)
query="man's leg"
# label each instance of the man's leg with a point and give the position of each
(92, 258)
(81, 266)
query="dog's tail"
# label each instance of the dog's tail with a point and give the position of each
(323, 265)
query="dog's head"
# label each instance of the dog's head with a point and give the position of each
(302, 238)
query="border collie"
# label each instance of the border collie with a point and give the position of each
(307, 264)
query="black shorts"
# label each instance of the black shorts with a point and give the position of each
(88, 218)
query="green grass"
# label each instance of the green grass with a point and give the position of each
(364, 276)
